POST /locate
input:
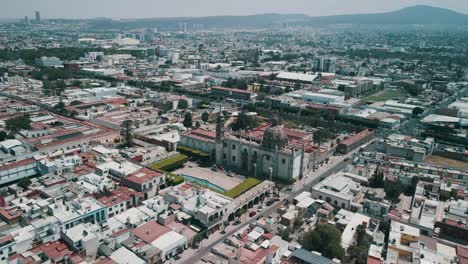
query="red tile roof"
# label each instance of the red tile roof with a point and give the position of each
(119, 195)
(17, 164)
(462, 253)
(11, 213)
(54, 250)
(143, 175)
(353, 139)
(150, 231)
(248, 256)
(372, 260)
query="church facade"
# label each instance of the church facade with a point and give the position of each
(272, 152)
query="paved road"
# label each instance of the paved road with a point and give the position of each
(192, 256)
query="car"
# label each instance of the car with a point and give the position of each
(346, 160)
(237, 222)
(270, 202)
(260, 209)
(252, 213)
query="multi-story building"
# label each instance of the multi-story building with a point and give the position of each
(342, 190)
(316, 97)
(81, 210)
(145, 181)
(355, 141)
(406, 147)
(403, 244)
(48, 61)
(236, 94)
(325, 64)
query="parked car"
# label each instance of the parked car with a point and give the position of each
(252, 213)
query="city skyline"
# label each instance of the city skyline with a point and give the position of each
(182, 8)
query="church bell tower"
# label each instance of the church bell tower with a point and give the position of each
(219, 138)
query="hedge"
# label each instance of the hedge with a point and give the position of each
(191, 151)
(170, 164)
(242, 187)
(173, 179)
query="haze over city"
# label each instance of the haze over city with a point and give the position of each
(182, 8)
(234, 132)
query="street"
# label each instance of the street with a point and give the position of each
(336, 164)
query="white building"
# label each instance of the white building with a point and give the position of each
(170, 244)
(82, 239)
(125, 256)
(316, 97)
(342, 190)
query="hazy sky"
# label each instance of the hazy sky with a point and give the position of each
(170, 8)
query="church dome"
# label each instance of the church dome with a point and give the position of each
(274, 137)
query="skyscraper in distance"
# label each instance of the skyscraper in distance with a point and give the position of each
(38, 16)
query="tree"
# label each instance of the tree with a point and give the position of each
(297, 86)
(183, 104)
(417, 111)
(17, 123)
(60, 108)
(4, 136)
(24, 182)
(285, 234)
(250, 107)
(322, 135)
(188, 120)
(358, 252)
(393, 190)
(235, 83)
(205, 116)
(76, 102)
(326, 239)
(244, 122)
(377, 180)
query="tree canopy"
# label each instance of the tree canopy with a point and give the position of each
(187, 120)
(17, 123)
(4, 136)
(24, 182)
(358, 252)
(326, 239)
(417, 111)
(205, 116)
(244, 122)
(182, 104)
(235, 83)
(377, 180)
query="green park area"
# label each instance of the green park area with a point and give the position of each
(384, 95)
(170, 164)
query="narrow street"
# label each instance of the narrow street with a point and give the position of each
(336, 164)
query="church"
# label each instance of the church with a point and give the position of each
(271, 151)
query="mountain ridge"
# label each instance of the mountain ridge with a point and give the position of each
(418, 14)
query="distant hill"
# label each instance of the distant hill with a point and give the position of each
(252, 21)
(419, 14)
